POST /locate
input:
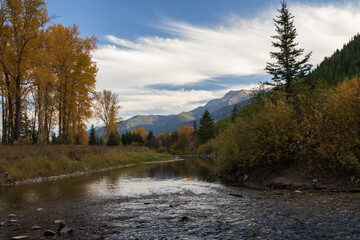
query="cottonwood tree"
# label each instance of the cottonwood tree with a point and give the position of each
(20, 22)
(74, 79)
(287, 68)
(106, 109)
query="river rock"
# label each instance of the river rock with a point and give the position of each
(13, 221)
(61, 223)
(20, 238)
(246, 177)
(39, 209)
(298, 191)
(2, 223)
(236, 195)
(35, 227)
(105, 236)
(49, 233)
(184, 219)
(11, 216)
(66, 231)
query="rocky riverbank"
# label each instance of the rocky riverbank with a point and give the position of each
(295, 178)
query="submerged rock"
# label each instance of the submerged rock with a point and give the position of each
(49, 233)
(184, 219)
(236, 195)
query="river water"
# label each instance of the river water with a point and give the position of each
(174, 200)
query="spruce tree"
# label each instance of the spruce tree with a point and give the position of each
(287, 68)
(206, 129)
(92, 136)
(114, 139)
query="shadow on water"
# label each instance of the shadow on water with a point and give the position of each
(102, 183)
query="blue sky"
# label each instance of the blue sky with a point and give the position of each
(167, 56)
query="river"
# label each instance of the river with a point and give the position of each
(174, 200)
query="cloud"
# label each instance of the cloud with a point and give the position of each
(192, 55)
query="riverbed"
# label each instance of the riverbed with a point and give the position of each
(174, 200)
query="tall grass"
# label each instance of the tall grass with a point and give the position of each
(28, 162)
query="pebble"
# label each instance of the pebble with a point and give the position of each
(236, 195)
(49, 233)
(183, 219)
(20, 238)
(12, 215)
(13, 220)
(35, 227)
(39, 209)
(298, 191)
(66, 231)
(2, 223)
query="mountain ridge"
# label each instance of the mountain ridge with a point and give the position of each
(218, 108)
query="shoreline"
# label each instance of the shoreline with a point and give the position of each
(76, 174)
(288, 184)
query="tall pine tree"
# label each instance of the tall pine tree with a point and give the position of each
(206, 129)
(287, 68)
(92, 136)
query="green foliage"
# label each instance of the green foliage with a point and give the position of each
(287, 69)
(342, 64)
(130, 137)
(114, 139)
(206, 129)
(92, 136)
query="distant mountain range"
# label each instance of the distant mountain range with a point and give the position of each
(218, 108)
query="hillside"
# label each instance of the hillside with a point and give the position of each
(218, 108)
(342, 63)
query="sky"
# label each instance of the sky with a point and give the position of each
(169, 56)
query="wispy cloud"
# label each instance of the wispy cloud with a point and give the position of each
(194, 54)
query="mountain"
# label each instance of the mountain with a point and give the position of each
(342, 63)
(218, 108)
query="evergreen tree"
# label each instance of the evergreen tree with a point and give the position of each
(287, 68)
(195, 126)
(150, 135)
(114, 139)
(234, 113)
(92, 136)
(206, 129)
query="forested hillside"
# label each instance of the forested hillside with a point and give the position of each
(342, 64)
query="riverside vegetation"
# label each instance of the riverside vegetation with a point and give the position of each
(30, 162)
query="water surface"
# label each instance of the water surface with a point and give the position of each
(175, 200)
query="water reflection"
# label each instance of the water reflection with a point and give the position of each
(142, 179)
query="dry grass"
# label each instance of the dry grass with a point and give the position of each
(28, 162)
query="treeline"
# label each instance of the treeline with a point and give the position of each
(47, 77)
(342, 64)
(184, 140)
